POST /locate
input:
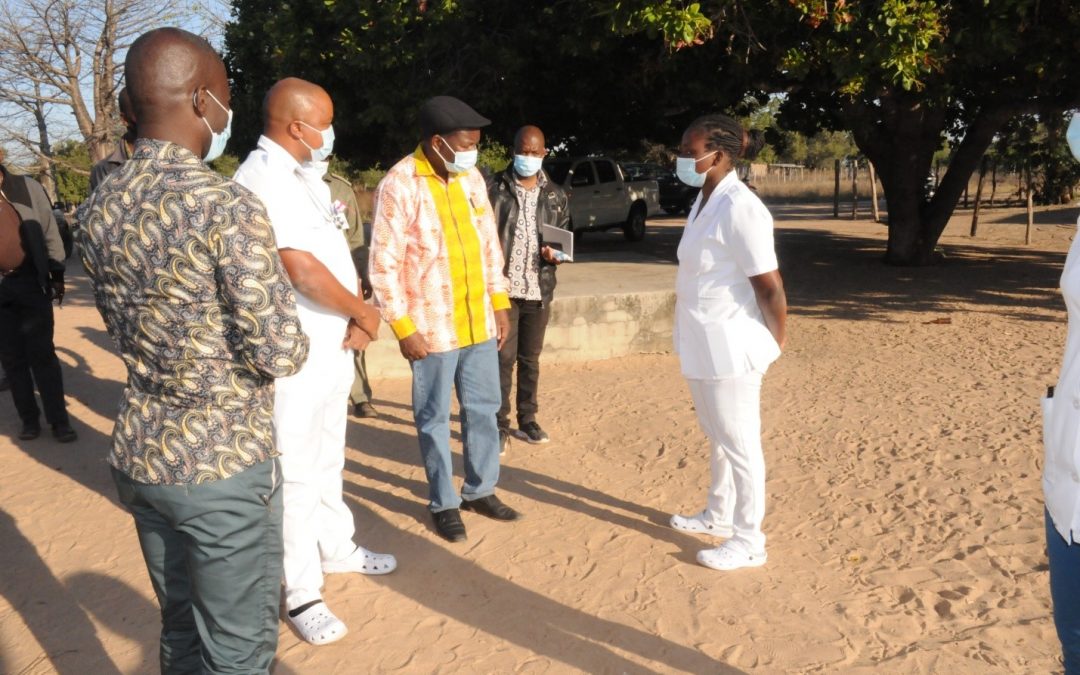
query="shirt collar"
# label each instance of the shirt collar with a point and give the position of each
(278, 154)
(727, 181)
(423, 166)
(541, 180)
(153, 148)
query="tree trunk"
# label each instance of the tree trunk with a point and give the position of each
(899, 134)
(48, 168)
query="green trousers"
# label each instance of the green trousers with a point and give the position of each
(214, 554)
(361, 388)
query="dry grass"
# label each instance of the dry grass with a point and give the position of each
(819, 186)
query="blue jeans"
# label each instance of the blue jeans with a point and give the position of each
(1065, 592)
(474, 372)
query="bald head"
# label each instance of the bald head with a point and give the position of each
(177, 86)
(528, 136)
(295, 111)
(163, 69)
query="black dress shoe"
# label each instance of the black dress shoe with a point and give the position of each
(491, 507)
(63, 432)
(365, 410)
(30, 432)
(449, 526)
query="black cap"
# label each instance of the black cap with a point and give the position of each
(443, 114)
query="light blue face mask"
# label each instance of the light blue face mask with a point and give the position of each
(526, 166)
(217, 140)
(1072, 136)
(686, 170)
(463, 159)
(323, 152)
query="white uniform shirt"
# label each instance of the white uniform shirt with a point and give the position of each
(1061, 415)
(719, 329)
(301, 213)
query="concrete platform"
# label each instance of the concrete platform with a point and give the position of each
(618, 298)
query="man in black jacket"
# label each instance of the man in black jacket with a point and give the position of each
(31, 277)
(524, 199)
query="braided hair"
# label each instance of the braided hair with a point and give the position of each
(725, 134)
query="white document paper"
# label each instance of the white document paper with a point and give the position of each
(560, 239)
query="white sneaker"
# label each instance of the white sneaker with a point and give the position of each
(699, 524)
(361, 561)
(318, 625)
(727, 557)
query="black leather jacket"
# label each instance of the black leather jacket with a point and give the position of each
(552, 209)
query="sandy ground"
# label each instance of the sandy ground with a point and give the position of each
(904, 513)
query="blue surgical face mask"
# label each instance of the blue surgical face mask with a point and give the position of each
(217, 140)
(1072, 136)
(323, 152)
(463, 159)
(686, 170)
(526, 166)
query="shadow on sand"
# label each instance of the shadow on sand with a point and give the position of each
(496, 605)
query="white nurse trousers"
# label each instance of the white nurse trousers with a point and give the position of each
(310, 418)
(729, 412)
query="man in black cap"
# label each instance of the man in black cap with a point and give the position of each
(436, 270)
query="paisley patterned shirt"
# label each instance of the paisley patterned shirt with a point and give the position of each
(524, 267)
(187, 277)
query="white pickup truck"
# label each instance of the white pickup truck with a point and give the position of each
(600, 196)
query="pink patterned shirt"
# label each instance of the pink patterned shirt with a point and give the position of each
(435, 262)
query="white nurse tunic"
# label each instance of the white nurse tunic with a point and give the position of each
(719, 329)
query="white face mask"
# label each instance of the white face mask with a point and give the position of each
(686, 170)
(1072, 136)
(527, 165)
(218, 141)
(324, 151)
(463, 159)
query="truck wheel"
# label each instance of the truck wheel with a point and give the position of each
(634, 229)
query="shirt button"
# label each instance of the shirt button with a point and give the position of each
(1076, 402)
(1076, 477)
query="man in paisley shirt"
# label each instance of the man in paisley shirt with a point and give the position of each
(311, 407)
(186, 275)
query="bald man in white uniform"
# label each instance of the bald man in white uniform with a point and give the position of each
(310, 409)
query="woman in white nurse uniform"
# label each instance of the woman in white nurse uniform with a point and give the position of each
(730, 318)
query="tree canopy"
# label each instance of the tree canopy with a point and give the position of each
(902, 75)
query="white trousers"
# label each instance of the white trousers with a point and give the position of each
(310, 417)
(729, 412)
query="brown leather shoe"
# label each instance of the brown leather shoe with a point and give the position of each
(492, 507)
(449, 526)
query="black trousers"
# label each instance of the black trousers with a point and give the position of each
(27, 351)
(528, 323)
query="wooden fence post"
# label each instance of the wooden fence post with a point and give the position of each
(836, 190)
(873, 192)
(854, 189)
(978, 196)
(1030, 207)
